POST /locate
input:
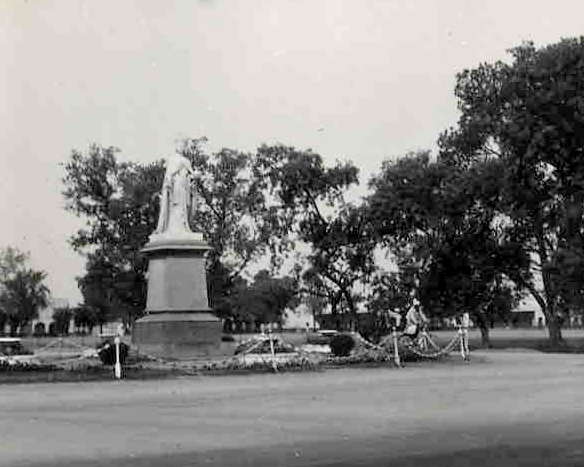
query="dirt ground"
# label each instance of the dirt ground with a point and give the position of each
(502, 409)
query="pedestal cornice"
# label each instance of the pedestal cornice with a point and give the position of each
(168, 242)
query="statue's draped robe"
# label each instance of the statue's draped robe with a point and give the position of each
(175, 198)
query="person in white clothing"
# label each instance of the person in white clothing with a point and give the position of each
(415, 319)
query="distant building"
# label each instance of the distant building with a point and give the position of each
(299, 318)
(46, 316)
(528, 313)
(44, 320)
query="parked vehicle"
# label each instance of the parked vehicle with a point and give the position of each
(322, 337)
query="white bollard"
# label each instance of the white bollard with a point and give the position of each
(465, 324)
(396, 358)
(274, 364)
(271, 343)
(118, 365)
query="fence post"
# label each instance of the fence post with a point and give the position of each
(396, 358)
(465, 324)
(274, 364)
(117, 366)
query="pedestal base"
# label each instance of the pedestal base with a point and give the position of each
(181, 336)
(178, 323)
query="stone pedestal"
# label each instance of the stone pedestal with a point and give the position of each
(178, 322)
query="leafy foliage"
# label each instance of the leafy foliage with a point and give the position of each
(341, 345)
(85, 318)
(22, 290)
(529, 115)
(62, 318)
(22, 367)
(263, 301)
(234, 213)
(441, 223)
(118, 202)
(388, 292)
(313, 208)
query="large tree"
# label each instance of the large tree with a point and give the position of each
(314, 210)
(23, 296)
(234, 213)
(529, 115)
(389, 291)
(11, 261)
(440, 223)
(61, 320)
(264, 300)
(23, 291)
(117, 201)
(85, 318)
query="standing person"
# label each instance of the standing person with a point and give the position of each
(415, 319)
(465, 320)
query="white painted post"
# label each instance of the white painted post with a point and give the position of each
(271, 343)
(274, 364)
(465, 324)
(117, 366)
(396, 358)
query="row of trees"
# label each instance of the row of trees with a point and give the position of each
(496, 215)
(22, 290)
(24, 293)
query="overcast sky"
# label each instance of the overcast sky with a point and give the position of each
(376, 76)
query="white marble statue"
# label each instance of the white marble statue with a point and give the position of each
(176, 198)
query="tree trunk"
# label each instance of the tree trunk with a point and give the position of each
(483, 324)
(485, 337)
(352, 310)
(548, 307)
(551, 317)
(554, 330)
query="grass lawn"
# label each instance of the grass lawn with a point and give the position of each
(534, 339)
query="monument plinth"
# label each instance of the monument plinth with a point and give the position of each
(178, 322)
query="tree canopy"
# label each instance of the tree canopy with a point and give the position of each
(22, 290)
(313, 207)
(440, 221)
(529, 115)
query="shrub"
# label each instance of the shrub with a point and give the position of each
(62, 318)
(362, 356)
(39, 330)
(298, 363)
(341, 345)
(107, 352)
(19, 367)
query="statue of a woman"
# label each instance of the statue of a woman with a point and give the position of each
(176, 197)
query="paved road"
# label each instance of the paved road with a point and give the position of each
(511, 409)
